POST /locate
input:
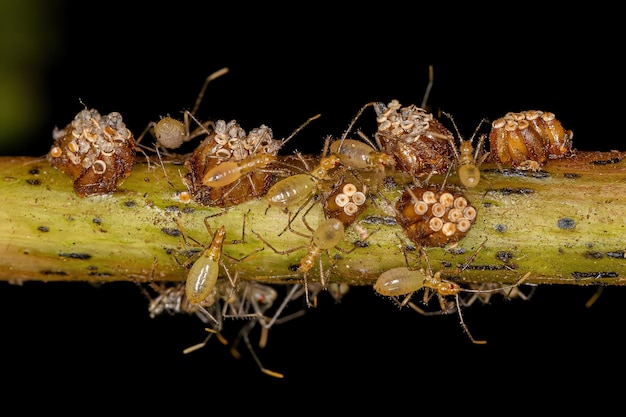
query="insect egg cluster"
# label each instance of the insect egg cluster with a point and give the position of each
(528, 139)
(419, 142)
(431, 217)
(230, 147)
(345, 203)
(232, 142)
(98, 152)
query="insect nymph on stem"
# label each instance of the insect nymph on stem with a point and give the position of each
(171, 133)
(401, 283)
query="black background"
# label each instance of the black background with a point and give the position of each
(287, 64)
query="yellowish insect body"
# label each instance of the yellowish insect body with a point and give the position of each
(230, 171)
(291, 191)
(202, 276)
(469, 175)
(170, 133)
(468, 159)
(352, 152)
(296, 189)
(360, 155)
(327, 235)
(399, 281)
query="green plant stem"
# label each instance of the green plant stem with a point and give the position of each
(564, 225)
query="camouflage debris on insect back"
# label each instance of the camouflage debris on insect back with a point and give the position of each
(229, 145)
(419, 143)
(231, 167)
(97, 152)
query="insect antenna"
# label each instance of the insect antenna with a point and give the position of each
(210, 78)
(299, 128)
(354, 119)
(429, 86)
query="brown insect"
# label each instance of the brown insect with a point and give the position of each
(527, 139)
(97, 152)
(433, 217)
(231, 166)
(418, 141)
(345, 202)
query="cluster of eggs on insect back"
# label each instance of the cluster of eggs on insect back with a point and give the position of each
(96, 151)
(345, 202)
(229, 144)
(232, 143)
(431, 217)
(406, 123)
(88, 137)
(419, 142)
(527, 139)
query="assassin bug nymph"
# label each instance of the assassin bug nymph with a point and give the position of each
(402, 282)
(468, 159)
(326, 236)
(203, 274)
(171, 133)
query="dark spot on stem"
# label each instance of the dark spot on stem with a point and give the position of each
(487, 267)
(457, 251)
(520, 173)
(566, 223)
(43, 228)
(171, 231)
(509, 191)
(593, 255)
(130, 203)
(33, 182)
(190, 252)
(34, 171)
(49, 272)
(596, 275)
(100, 274)
(389, 183)
(361, 243)
(607, 161)
(504, 256)
(571, 175)
(375, 219)
(409, 248)
(75, 255)
(500, 228)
